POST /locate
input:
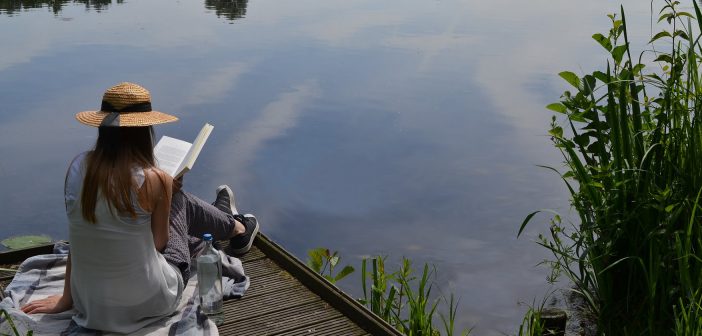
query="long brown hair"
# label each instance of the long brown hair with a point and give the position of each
(109, 168)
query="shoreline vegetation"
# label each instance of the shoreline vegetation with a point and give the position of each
(399, 297)
(631, 138)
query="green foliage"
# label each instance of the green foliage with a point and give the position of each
(688, 316)
(20, 242)
(5, 315)
(322, 261)
(632, 144)
(405, 301)
(531, 324)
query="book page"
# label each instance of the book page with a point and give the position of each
(194, 150)
(170, 154)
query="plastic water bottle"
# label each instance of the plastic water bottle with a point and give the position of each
(209, 277)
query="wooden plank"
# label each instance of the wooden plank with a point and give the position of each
(338, 326)
(261, 267)
(254, 254)
(246, 308)
(17, 256)
(348, 306)
(291, 318)
(270, 284)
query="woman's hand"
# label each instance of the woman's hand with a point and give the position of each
(177, 184)
(50, 305)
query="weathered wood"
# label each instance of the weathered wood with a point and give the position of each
(285, 297)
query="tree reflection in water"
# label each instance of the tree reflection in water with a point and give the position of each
(12, 7)
(229, 9)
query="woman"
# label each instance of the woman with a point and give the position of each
(131, 228)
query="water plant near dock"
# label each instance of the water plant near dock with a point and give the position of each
(632, 146)
(399, 298)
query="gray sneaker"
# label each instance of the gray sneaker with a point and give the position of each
(225, 200)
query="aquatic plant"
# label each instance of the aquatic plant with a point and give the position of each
(405, 301)
(688, 316)
(20, 242)
(323, 261)
(632, 143)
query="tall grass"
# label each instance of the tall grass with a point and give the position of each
(405, 301)
(632, 146)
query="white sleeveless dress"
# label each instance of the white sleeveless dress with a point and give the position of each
(119, 282)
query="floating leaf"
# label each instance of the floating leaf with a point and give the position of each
(20, 242)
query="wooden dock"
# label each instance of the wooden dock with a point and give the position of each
(285, 298)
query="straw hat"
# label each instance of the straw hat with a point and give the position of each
(125, 105)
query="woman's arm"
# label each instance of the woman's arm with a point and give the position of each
(56, 303)
(159, 191)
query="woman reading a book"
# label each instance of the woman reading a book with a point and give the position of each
(132, 229)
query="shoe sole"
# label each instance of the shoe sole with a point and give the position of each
(232, 201)
(253, 236)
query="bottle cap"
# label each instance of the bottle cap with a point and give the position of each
(207, 237)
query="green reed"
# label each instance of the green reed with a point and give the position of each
(632, 146)
(405, 301)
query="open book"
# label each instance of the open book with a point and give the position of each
(176, 157)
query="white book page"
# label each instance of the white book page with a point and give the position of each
(170, 154)
(194, 151)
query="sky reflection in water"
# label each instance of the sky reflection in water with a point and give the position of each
(400, 128)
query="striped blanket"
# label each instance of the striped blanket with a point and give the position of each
(43, 275)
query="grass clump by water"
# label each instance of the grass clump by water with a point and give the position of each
(632, 146)
(400, 298)
(405, 300)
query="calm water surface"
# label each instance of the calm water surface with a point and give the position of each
(396, 127)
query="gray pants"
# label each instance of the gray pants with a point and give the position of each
(190, 218)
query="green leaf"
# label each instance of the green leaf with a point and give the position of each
(618, 53)
(603, 41)
(556, 131)
(664, 58)
(571, 78)
(556, 107)
(334, 260)
(665, 16)
(344, 272)
(659, 35)
(679, 14)
(637, 68)
(681, 34)
(582, 140)
(670, 207)
(20, 242)
(315, 259)
(589, 83)
(601, 76)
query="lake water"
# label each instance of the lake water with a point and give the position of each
(397, 127)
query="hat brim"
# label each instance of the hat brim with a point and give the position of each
(133, 119)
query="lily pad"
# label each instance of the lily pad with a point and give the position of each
(20, 242)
